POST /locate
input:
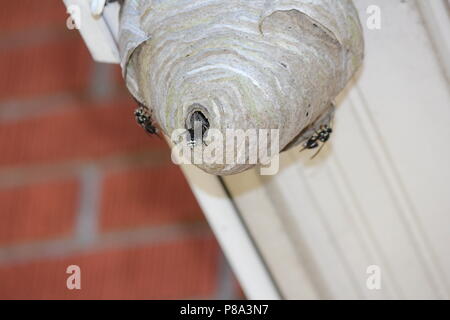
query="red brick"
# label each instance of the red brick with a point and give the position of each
(44, 68)
(31, 14)
(117, 76)
(83, 132)
(147, 196)
(37, 211)
(175, 270)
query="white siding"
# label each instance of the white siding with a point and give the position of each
(379, 193)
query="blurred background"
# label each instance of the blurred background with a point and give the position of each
(82, 184)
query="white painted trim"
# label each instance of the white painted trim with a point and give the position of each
(232, 235)
(261, 211)
(96, 32)
(435, 14)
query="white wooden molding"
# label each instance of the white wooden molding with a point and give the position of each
(436, 17)
(232, 234)
(98, 32)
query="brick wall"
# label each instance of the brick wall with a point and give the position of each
(81, 184)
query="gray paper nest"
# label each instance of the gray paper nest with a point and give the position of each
(243, 64)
